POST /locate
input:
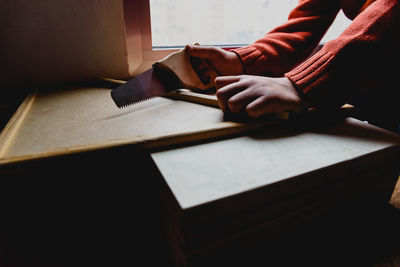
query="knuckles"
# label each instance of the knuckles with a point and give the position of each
(251, 112)
(234, 105)
(220, 94)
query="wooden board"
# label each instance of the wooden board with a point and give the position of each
(227, 194)
(395, 199)
(72, 120)
(208, 172)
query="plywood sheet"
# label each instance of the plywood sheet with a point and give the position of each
(207, 172)
(77, 119)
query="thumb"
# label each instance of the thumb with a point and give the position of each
(202, 51)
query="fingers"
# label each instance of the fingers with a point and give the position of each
(260, 106)
(234, 93)
(222, 81)
(239, 102)
(202, 51)
(271, 103)
(199, 56)
(227, 87)
(202, 71)
(256, 96)
(219, 60)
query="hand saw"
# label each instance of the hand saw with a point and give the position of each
(176, 71)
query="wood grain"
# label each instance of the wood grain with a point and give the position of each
(248, 162)
(395, 199)
(10, 130)
(74, 120)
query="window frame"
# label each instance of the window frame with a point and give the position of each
(140, 51)
(148, 52)
(139, 47)
(147, 45)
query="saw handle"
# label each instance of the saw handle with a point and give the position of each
(205, 73)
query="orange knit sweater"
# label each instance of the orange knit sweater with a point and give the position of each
(345, 65)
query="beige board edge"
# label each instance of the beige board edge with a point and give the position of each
(15, 122)
(151, 143)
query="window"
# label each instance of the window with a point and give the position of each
(175, 23)
(158, 27)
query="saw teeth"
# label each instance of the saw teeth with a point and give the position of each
(140, 101)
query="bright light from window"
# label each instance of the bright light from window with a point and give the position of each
(223, 22)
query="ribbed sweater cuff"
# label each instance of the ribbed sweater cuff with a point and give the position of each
(311, 74)
(252, 59)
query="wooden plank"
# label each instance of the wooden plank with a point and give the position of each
(74, 120)
(190, 96)
(241, 190)
(11, 128)
(246, 163)
(395, 199)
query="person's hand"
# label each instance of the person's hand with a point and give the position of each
(222, 61)
(257, 95)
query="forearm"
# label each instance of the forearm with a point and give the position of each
(285, 46)
(337, 71)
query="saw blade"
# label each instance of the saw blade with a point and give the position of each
(152, 83)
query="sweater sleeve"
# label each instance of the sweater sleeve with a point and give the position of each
(364, 49)
(287, 45)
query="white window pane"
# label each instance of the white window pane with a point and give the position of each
(216, 22)
(341, 22)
